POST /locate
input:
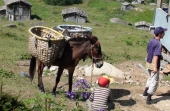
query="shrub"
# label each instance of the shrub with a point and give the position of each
(11, 103)
(25, 56)
(7, 74)
(46, 102)
(126, 54)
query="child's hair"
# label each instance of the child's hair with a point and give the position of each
(103, 81)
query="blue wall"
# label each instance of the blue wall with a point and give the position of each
(160, 20)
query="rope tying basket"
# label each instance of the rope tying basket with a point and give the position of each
(45, 44)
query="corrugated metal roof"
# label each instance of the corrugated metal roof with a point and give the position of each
(74, 10)
(7, 2)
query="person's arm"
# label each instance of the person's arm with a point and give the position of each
(110, 96)
(91, 97)
(155, 61)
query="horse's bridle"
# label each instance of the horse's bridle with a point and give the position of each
(92, 45)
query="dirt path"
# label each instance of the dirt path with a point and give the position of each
(127, 92)
(132, 99)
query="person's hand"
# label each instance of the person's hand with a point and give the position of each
(155, 70)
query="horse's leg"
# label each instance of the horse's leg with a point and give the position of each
(70, 80)
(60, 71)
(40, 71)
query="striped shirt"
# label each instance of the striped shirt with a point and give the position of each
(100, 98)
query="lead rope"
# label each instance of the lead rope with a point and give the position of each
(92, 68)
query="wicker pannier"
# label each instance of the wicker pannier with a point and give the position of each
(74, 30)
(45, 44)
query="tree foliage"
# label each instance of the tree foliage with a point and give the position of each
(63, 2)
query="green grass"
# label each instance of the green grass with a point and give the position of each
(119, 42)
(166, 78)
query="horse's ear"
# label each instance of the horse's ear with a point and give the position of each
(91, 38)
(90, 34)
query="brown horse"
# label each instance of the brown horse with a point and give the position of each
(76, 48)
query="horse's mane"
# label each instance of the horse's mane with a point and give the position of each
(95, 38)
(78, 40)
(82, 39)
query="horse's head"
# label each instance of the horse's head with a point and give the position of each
(94, 52)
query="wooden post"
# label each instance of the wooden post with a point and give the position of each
(159, 3)
(143, 68)
(169, 9)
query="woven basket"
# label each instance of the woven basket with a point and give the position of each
(45, 44)
(74, 30)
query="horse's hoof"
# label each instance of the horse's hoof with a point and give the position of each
(42, 91)
(53, 94)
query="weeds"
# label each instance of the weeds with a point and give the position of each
(20, 23)
(25, 56)
(126, 54)
(11, 103)
(42, 102)
(166, 78)
(129, 42)
(141, 43)
(45, 102)
(6, 74)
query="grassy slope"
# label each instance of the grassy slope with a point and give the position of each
(113, 37)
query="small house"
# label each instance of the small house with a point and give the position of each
(126, 6)
(74, 14)
(17, 10)
(2, 11)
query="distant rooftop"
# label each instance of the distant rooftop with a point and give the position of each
(74, 10)
(7, 2)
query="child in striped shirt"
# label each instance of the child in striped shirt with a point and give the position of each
(101, 97)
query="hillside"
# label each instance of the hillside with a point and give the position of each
(122, 45)
(114, 38)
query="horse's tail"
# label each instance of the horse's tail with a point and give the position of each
(32, 68)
